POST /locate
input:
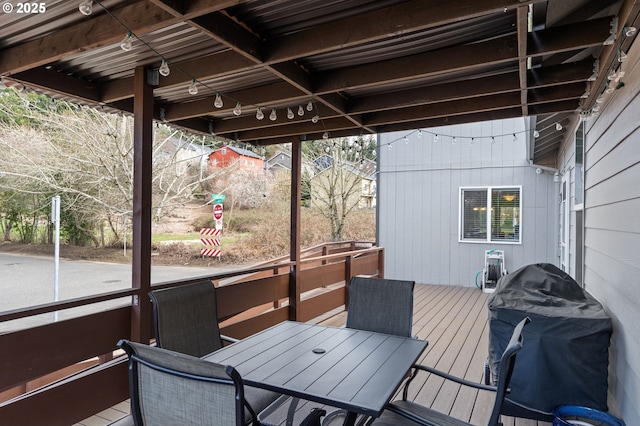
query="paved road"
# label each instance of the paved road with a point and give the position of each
(28, 280)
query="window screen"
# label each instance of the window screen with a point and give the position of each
(490, 214)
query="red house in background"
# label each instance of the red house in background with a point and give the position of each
(231, 155)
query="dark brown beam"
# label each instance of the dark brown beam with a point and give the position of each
(569, 37)
(405, 17)
(448, 121)
(96, 31)
(556, 93)
(522, 24)
(219, 64)
(268, 94)
(444, 109)
(300, 128)
(563, 106)
(52, 81)
(500, 50)
(142, 208)
(223, 29)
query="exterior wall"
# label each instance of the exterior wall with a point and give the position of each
(612, 231)
(418, 190)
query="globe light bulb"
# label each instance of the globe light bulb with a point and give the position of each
(86, 7)
(218, 101)
(315, 118)
(300, 111)
(273, 116)
(325, 135)
(125, 44)
(238, 109)
(310, 106)
(536, 133)
(164, 68)
(193, 89)
(290, 114)
(259, 113)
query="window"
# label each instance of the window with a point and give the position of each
(490, 214)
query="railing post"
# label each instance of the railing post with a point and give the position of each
(381, 263)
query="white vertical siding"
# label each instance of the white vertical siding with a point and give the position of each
(612, 231)
(419, 184)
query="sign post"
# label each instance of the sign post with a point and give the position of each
(211, 245)
(55, 219)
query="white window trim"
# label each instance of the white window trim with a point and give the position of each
(488, 240)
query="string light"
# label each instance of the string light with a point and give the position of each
(193, 88)
(164, 68)
(536, 133)
(125, 44)
(238, 109)
(558, 126)
(86, 7)
(435, 138)
(218, 101)
(325, 135)
(629, 31)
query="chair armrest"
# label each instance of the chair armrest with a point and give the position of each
(313, 418)
(412, 417)
(454, 378)
(229, 339)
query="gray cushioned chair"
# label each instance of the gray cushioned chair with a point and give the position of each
(408, 413)
(186, 321)
(169, 388)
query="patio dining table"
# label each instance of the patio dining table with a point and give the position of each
(358, 371)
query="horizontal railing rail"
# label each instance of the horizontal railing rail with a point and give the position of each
(249, 300)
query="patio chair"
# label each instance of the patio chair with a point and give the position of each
(186, 321)
(379, 305)
(408, 413)
(169, 388)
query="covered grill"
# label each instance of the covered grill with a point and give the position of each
(564, 360)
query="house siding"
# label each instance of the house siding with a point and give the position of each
(612, 232)
(418, 189)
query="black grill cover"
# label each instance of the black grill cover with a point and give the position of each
(564, 358)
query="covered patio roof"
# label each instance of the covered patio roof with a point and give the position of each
(361, 66)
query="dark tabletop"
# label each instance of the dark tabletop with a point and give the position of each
(346, 368)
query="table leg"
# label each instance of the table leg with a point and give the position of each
(350, 419)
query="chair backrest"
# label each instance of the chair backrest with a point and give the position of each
(186, 318)
(168, 388)
(381, 305)
(507, 362)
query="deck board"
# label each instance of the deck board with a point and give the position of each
(454, 321)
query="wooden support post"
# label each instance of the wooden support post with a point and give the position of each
(142, 170)
(294, 248)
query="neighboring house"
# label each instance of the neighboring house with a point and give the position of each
(231, 155)
(353, 181)
(279, 161)
(188, 153)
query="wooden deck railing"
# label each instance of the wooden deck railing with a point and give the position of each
(249, 300)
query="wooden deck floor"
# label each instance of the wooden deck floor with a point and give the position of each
(454, 321)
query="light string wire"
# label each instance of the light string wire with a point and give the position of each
(193, 80)
(457, 138)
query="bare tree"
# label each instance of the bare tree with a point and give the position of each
(86, 157)
(336, 187)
